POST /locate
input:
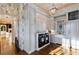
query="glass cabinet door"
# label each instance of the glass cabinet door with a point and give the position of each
(60, 27)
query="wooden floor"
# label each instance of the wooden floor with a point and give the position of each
(9, 48)
(46, 50)
(56, 49)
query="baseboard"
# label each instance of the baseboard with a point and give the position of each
(31, 51)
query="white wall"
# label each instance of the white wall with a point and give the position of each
(41, 22)
(27, 30)
(23, 28)
(37, 23)
(29, 25)
(32, 18)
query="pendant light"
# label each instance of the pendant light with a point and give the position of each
(53, 9)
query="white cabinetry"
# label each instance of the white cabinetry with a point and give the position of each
(56, 39)
(72, 33)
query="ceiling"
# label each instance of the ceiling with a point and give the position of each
(48, 6)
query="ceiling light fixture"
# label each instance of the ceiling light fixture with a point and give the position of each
(53, 9)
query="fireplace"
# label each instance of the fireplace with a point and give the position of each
(42, 40)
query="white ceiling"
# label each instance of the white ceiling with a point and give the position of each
(48, 6)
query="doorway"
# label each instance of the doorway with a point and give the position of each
(7, 43)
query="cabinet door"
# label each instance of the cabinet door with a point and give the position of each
(56, 40)
(77, 37)
(73, 35)
(65, 41)
(59, 40)
(52, 38)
